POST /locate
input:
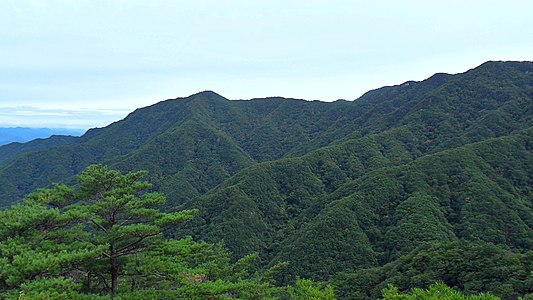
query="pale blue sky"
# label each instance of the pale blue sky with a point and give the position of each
(83, 64)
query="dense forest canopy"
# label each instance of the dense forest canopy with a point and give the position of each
(407, 186)
(106, 240)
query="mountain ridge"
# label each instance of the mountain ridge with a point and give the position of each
(25, 134)
(271, 128)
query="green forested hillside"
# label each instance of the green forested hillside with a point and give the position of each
(468, 266)
(441, 112)
(407, 185)
(323, 218)
(8, 152)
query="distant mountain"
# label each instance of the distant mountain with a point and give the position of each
(384, 189)
(11, 150)
(24, 134)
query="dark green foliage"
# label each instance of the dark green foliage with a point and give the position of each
(377, 217)
(332, 242)
(189, 160)
(472, 267)
(417, 220)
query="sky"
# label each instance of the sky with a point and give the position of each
(83, 64)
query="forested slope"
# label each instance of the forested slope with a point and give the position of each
(323, 218)
(10, 151)
(442, 112)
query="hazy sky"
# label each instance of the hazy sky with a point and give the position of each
(76, 63)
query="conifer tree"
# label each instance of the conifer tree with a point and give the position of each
(106, 238)
(121, 217)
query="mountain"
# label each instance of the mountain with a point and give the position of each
(237, 134)
(11, 150)
(354, 192)
(23, 134)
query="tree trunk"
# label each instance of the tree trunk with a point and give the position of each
(133, 284)
(113, 270)
(89, 281)
(134, 280)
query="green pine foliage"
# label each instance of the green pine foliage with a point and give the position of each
(105, 238)
(308, 290)
(437, 291)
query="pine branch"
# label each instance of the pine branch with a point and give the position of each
(141, 238)
(99, 226)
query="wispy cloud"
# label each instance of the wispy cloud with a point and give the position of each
(27, 116)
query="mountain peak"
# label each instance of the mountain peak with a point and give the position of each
(205, 99)
(438, 78)
(207, 94)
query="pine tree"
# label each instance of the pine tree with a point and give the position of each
(121, 217)
(106, 238)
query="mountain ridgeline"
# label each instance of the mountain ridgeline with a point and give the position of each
(24, 134)
(409, 184)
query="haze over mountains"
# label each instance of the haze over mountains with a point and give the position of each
(344, 191)
(25, 134)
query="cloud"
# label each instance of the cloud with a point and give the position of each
(28, 116)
